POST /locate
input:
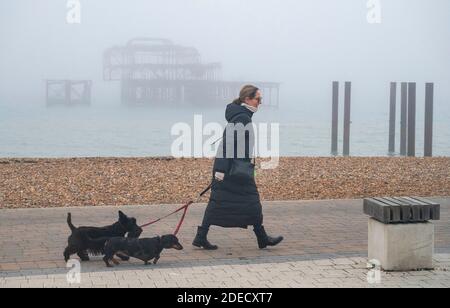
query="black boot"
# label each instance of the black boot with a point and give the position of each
(264, 240)
(201, 240)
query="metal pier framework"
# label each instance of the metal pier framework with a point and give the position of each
(157, 71)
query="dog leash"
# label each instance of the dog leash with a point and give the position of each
(184, 207)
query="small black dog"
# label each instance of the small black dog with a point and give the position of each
(81, 243)
(143, 249)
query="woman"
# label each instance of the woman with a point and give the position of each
(235, 202)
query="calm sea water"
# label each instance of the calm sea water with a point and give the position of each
(135, 132)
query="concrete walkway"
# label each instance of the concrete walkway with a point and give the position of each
(325, 246)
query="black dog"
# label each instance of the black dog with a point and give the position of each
(142, 249)
(81, 243)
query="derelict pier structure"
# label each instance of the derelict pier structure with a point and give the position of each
(157, 71)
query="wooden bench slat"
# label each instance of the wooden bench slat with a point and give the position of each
(401, 209)
(396, 202)
(394, 210)
(378, 210)
(413, 201)
(425, 200)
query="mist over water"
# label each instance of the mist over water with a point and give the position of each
(137, 132)
(304, 45)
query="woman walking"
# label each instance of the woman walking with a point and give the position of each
(234, 200)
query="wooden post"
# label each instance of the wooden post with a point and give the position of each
(392, 117)
(347, 122)
(334, 118)
(404, 118)
(429, 99)
(412, 119)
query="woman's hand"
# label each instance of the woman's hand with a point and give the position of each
(219, 176)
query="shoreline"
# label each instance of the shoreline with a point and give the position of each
(116, 181)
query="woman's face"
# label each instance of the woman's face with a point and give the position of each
(254, 102)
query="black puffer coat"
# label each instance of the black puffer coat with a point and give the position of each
(234, 203)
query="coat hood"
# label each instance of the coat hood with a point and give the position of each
(234, 109)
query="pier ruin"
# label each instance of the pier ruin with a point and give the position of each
(157, 71)
(68, 92)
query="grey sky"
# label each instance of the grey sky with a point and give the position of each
(305, 44)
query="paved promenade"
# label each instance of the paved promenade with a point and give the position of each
(325, 246)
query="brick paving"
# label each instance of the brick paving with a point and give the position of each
(325, 246)
(265, 272)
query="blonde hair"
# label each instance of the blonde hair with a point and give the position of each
(246, 91)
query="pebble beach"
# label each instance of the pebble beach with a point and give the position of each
(35, 183)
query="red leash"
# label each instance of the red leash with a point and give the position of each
(185, 207)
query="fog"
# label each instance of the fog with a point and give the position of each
(302, 44)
